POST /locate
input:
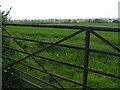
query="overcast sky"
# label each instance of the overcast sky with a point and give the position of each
(61, 9)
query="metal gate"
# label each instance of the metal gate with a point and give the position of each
(87, 29)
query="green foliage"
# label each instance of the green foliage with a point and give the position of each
(4, 15)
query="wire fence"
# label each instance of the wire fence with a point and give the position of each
(87, 29)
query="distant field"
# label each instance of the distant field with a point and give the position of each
(82, 24)
(95, 24)
(97, 61)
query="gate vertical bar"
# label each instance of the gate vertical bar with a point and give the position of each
(86, 57)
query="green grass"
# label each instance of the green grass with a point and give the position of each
(97, 61)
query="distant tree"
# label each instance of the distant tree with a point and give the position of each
(89, 20)
(115, 21)
(98, 21)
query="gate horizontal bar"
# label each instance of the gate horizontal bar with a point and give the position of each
(61, 77)
(29, 82)
(72, 65)
(36, 78)
(111, 29)
(69, 46)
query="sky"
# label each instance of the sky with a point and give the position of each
(61, 9)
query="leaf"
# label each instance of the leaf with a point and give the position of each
(3, 12)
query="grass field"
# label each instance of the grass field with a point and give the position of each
(101, 62)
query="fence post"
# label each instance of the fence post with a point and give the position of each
(86, 57)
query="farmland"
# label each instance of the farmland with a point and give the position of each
(97, 61)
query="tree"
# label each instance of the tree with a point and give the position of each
(115, 21)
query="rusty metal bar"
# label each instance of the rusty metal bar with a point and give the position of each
(69, 46)
(36, 78)
(48, 47)
(33, 58)
(72, 65)
(111, 29)
(31, 83)
(87, 44)
(104, 52)
(106, 41)
(61, 77)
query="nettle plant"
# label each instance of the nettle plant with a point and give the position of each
(9, 78)
(5, 15)
(4, 18)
